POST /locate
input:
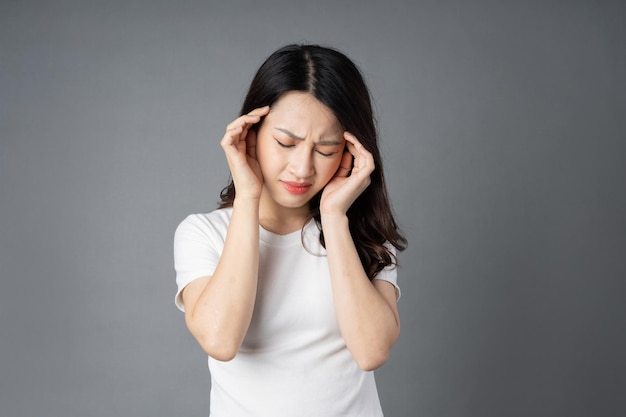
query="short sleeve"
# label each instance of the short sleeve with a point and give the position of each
(390, 273)
(198, 245)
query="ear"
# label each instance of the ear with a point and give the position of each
(346, 164)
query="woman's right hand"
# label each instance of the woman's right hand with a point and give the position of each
(239, 144)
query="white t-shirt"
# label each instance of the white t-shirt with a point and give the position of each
(293, 360)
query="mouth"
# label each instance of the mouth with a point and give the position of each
(296, 187)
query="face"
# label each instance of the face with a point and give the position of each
(299, 148)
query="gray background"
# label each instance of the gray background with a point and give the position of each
(503, 133)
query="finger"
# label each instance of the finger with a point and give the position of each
(238, 129)
(251, 144)
(363, 162)
(231, 136)
(244, 121)
(350, 137)
(260, 111)
(249, 119)
(363, 159)
(355, 148)
(254, 116)
(352, 140)
(352, 144)
(345, 166)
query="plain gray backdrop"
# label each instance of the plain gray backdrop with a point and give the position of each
(503, 134)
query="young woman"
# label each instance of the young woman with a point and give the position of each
(290, 286)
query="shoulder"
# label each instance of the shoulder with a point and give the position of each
(214, 219)
(390, 272)
(211, 224)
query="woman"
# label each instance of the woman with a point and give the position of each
(290, 286)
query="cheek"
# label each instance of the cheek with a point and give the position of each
(266, 162)
(328, 168)
(264, 153)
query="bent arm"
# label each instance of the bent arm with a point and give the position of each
(218, 309)
(366, 310)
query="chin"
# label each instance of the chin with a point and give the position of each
(294, 201)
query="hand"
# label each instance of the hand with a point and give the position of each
(239, 144)
(343, 189)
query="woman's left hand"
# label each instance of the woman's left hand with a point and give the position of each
(350, 180)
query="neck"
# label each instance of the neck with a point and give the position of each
(281, 220)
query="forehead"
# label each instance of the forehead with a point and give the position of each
(302, 114)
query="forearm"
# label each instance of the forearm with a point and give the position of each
(220, 317)
(368, 323)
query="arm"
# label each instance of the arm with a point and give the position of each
(218, 309)
(366, 310)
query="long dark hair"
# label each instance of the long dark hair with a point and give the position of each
(334, 80)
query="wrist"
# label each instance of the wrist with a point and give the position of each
(333, 219)
(245, 202)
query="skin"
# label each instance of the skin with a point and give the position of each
(300, 149)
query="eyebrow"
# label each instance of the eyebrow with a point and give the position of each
(323, 142)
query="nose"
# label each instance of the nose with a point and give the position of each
(301, 162)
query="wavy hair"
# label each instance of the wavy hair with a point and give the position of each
(334, 80)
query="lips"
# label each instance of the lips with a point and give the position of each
(296, 187)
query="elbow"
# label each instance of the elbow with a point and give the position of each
(217, 348)
(372, 360)
(216, 345)
(373, 355)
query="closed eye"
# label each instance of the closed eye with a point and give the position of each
(328, 155)
(291, 145)
(284, 145)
